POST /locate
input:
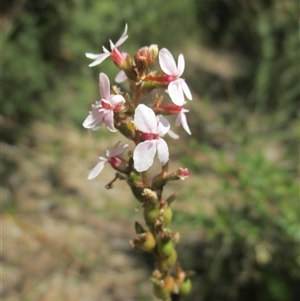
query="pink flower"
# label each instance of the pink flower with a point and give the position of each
(183, 173)
(112, 157)
(177, 87)
(103, 111)
(152, 128)
(117, 56)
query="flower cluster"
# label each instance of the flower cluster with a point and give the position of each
(145, 126)
(150, 125)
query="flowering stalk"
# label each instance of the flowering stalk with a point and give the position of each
(146, 126)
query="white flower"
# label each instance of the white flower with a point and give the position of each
(181, 120)
(116, 55)
(177, 87)
(152, 128)
(103, 111)
(111, 157)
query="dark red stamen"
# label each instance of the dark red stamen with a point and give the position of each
(105, 105)
(171, 108)
(149, 136)
(115, 162)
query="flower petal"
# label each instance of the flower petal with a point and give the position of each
(181, 65)
(104, 86)
(176, 93)
(163, 125)
(145, 120)
(167, 62)
(112, 45)
(96, 170)
(181, 119)
(162, 151)
(173, 134)
(116, 99)
(116, 150)
(186, 90)
(88, 121)
(123, 37)
(108, 119)
(99, 59)
(92, 55)
(95, 118)
(105, 50)
(143, 155)
(121, 77)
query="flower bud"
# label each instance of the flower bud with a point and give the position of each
(183, 173)
(165, 248)
(162, 289)
(167, 215)
(160, 293)
(137, 192)
(145, 58)
(151, 213)
(136, 184)
(153, 51)
(171, 259)
(144, 241)
(166, 263)
(151, 208)
(149, 243)
(179, 174)
(185, 287)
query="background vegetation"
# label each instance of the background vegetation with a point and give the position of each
(243, 61)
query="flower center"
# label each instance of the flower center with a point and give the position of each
(118, 107)
(105, 105)
(149, 136)
(115, 162)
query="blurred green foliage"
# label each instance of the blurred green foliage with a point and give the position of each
(267, 32)
(249, 251)
(256, 166)
(249, 246)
